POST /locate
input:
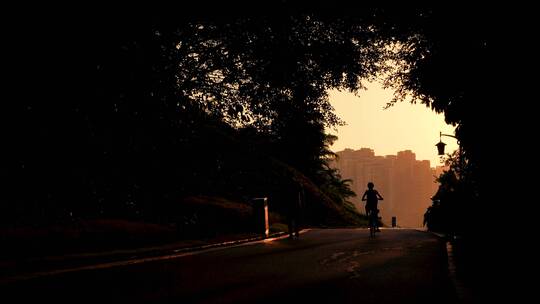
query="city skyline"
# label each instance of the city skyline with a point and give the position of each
(407, 184)
(404, 126)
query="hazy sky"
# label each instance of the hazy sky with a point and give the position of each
(404, 126)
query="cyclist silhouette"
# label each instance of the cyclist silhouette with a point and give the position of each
(372, 197)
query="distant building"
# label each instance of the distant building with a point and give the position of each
(406, 184)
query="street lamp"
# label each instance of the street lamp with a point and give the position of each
(440, 147)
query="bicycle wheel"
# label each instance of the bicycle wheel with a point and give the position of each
(372, 225)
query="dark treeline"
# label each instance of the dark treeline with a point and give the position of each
(469, 71)
(124, 112)
(128, 114)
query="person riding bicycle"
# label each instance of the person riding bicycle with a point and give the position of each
(372, 197)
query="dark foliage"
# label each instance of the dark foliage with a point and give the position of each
(123, 112)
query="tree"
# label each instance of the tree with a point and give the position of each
(153, 96)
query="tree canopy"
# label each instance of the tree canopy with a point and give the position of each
(140, 108)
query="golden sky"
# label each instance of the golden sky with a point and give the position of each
(404, 126)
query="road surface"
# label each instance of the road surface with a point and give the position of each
(323, 266)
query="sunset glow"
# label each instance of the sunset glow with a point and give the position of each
(404, 126)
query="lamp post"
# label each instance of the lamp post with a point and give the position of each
(440, 147)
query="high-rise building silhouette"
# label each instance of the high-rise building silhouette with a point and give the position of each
(406, 184)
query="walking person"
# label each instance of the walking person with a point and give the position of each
(295, 205)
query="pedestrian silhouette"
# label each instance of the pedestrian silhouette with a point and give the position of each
(372, 197)
(427, 216)
(295, 204)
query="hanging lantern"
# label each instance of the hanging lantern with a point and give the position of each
(440, 147)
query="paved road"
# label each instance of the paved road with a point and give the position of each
(323, 266)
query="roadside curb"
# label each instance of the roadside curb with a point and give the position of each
(462, 292)
(142, 257)
(228, 244)
(437, 234)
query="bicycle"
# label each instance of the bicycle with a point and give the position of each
(373, 219)
(372, 196)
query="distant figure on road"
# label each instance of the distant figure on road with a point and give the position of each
(427, 215)
(372, 197)
(296, 201)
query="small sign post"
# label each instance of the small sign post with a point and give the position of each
(260, 212)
